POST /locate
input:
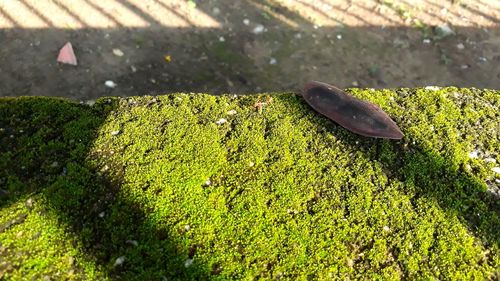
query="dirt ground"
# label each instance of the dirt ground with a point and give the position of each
(245, 46)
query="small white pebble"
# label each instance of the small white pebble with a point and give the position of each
(132, 242)
(391, 98)
(188, 263)
(483, 59)
(496, 170)
(258, 29)
(187, 227)
(464, 66)
(432, 88)
(231, 112)
(386, 228)
(216, 11)
(246, 21)
(490, 160)
(101, 214)
(460, 46)
(220, 121)
(474, 154)
(427, 41)
(110, 84)
(208, 182)
(355, 83)
(118, 52)
(90, 102)
(222, 39)
(119, 261)
(251, 164)
(272, 61)
(115, 133)
(133, 68)
(339, 36)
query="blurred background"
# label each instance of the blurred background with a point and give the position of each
(245, 46)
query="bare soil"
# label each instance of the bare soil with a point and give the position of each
(245, 46)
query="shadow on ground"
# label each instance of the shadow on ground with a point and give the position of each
(287, 52)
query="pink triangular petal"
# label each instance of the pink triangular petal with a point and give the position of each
(66, 55)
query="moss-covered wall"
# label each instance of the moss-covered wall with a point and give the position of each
(181, 187)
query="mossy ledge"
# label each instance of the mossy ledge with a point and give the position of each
(192, 186)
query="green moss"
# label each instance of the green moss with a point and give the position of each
(279, 192)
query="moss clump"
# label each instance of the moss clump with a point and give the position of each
(203, 187)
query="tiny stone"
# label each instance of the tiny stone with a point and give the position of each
(339, 36)
(251, 164)
(258, 29)
(386, 228)
(490, 160)
(427, 41)
(110, 84)
(272, 61)
(444, 30)
(29, 203)
(216, 11)
(496, 170)
(246, 21)
(187, 227)
(221, 39)
(220, 121)
(90, 102)
(118, 52)
(208, 182)
(132, 242)
(355, 83)
(464, 66)
(474, 154)
(133, 68)
(483, 59)
(231, 112)
(188, 263)
(115, 133)
(101, 214)
(119, 261)
(460, 46)
(153, 80)
(432, 88)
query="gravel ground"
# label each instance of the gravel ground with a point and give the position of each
(245, 46)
